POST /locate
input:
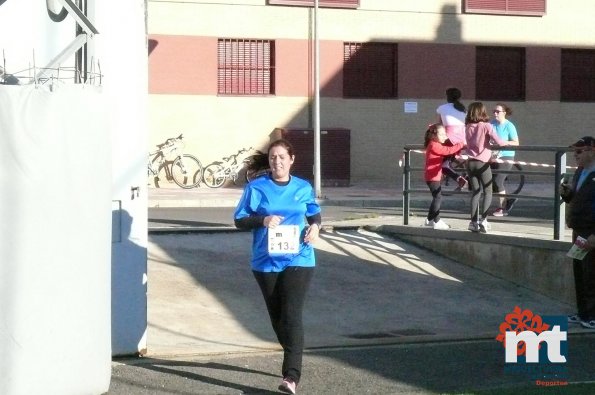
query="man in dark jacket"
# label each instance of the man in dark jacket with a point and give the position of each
(579, 193)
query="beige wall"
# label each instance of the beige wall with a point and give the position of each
(565, 24)
(219, 126)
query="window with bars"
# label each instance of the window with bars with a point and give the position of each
(370, 70)
(321, 3)
(245, 67)
(500, 73)
(576, 80)
(505, 7)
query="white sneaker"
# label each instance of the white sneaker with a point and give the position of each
(473, 227)
(441, 225)
(428, 222)
(485, 224)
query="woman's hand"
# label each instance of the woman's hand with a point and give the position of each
(312, 233)
(271, 221)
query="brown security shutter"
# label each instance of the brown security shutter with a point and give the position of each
(321, 3)
(245, 67)
(500, 73)
(577, 83)
(370, 70)
(506, 7)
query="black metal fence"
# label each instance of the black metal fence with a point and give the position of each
(554, 175)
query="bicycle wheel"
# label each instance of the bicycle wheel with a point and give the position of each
(186, 171)
(214, 175)
(252, 174)
(515, 180)
(457, 165)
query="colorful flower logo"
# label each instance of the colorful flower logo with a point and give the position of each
(520, 321)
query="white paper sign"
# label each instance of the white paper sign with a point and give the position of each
(410, 107)
(579, 249)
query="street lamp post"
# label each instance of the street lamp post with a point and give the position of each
(316, 121)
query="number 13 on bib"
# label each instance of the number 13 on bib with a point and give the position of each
(284, 239)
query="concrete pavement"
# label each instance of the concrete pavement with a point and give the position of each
(390, 198)
(383, 316)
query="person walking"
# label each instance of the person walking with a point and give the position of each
(478, 134)
(452, 115)
(579, 193)
(274, 206)
(436, 150)
(507, 132)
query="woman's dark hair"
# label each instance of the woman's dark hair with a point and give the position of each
(431, 133)
(477, 113)
(507, 109)
(283, 143)
(452, 96)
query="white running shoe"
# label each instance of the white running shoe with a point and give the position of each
(486, 224)
(441, 225)
(428, 222)
(473, 227)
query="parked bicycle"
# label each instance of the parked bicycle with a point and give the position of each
(230, 167)
(183, 169)
(514, 181)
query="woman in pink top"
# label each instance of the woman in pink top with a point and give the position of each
(478, 133)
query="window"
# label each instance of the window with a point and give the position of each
(245, 67)
(321, 3)
(577, 83)
(370, 70)
(505, 7)
(500, 73)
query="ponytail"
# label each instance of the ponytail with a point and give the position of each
(452, 96)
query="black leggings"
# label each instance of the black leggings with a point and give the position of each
(499, 179)
(480, 177)
(284, 294)
(436, 190)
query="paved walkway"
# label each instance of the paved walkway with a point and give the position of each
(382, 316)
(382, 205)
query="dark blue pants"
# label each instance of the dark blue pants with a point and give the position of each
(284, 294)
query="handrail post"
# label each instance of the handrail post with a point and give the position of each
(559, 205)
(406, 184)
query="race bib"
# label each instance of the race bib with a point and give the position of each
(284, 239)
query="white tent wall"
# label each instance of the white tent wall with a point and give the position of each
(121, 47)
(55, 247)
(72, 281)
(28, 36)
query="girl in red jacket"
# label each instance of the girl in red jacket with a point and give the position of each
(435, 153)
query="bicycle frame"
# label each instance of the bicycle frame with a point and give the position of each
(160, 156)
(183, 169)
(228, 168)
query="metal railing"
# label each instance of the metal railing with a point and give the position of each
(559, 167)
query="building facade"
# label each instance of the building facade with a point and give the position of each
(231, 74)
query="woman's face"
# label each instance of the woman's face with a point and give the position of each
(499, 114)
(280, 162)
